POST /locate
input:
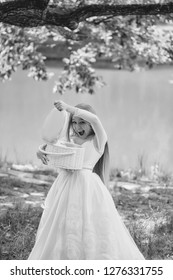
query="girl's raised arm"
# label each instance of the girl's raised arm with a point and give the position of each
(101, 137)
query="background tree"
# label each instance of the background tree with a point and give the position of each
(127, 34)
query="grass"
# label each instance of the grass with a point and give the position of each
(17, 231)
(153, 235)
(148, 216)
(18, 227)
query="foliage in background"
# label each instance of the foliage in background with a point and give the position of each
(127, 42)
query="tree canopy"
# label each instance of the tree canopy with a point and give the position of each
(126, 34)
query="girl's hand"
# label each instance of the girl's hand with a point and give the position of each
(60, 105)
(42, 156)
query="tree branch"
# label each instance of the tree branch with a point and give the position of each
(122, 10)
(33, 13)
(23, 4)
(23, 13)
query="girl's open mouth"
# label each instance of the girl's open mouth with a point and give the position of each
(81, 132)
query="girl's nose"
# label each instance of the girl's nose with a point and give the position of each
(78, 127)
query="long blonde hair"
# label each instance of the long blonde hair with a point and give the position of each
(101, 168)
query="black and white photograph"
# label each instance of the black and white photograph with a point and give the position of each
(86, 134)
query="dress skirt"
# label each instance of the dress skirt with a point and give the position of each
(80, 222)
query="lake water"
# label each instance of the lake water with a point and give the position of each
(136, 109)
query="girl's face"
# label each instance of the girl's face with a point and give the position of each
(82, 128)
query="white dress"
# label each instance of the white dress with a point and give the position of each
(80, 221)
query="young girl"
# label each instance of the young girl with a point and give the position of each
(80, 221)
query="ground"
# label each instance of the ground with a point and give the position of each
(145, 206)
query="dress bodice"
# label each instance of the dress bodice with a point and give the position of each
(91, 155)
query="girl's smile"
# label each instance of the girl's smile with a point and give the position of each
(82, 128)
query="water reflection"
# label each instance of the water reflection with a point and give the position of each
(135, 108)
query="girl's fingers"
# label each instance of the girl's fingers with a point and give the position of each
(45, 160)
(60, 105)
(57, 104)
(42, 156)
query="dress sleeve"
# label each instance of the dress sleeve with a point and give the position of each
(100, 134)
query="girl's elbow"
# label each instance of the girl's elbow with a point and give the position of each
(95, 119)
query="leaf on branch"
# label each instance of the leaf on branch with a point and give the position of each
(78, 72)
(16, 50)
